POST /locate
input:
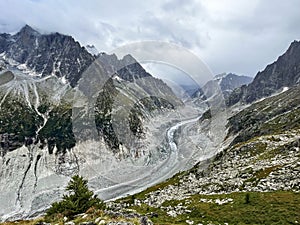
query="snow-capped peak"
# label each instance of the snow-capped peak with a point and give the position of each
(220, 76)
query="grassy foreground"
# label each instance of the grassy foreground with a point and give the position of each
(281, 207)
(242, 208)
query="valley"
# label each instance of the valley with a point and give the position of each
(234, 143)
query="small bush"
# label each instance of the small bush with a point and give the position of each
(78, 200)
(247, 198)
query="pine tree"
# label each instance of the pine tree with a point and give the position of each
(78, 200)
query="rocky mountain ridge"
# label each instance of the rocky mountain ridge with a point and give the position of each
(284, 72)
(45, 55)
(26, 51)
(227, 83)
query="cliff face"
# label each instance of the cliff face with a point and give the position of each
(285, 72)
(45, 55)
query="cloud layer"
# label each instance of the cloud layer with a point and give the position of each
(238, 36)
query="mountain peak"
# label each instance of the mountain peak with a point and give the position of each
(293, 45)
(295, 42)
(92, 49)
(28, 30)
(220, 76)
(128, 59)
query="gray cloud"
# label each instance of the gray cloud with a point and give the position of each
(239, 36)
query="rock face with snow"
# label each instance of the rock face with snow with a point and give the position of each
(229, 82)
(40, 54)
(285, 72)
(51, 54)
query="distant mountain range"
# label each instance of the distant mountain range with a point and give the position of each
(226, 82)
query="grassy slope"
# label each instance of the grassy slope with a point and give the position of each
(263, 208)
(90, 216)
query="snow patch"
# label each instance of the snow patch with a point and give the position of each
(284, 89)
(63, 80)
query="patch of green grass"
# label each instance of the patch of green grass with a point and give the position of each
(281, 207)
(23, 222)
(269, 154)
(288, 121)
(263, 173)
(262, 208)
(58, 130)
(90, 216)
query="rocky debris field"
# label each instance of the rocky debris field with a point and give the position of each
(267, 163)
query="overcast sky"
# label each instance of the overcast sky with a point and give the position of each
(240, 36)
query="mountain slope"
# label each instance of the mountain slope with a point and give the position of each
(60, 56)
(267, 160)
(284, 72)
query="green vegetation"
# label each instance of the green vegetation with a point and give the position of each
(18, 121)
(247, 198)
(287, 121)
(92, 215)
(78, 200)
(261, 208)
(270, 116)
(103, 116)
(171, 181)
(58, 129)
